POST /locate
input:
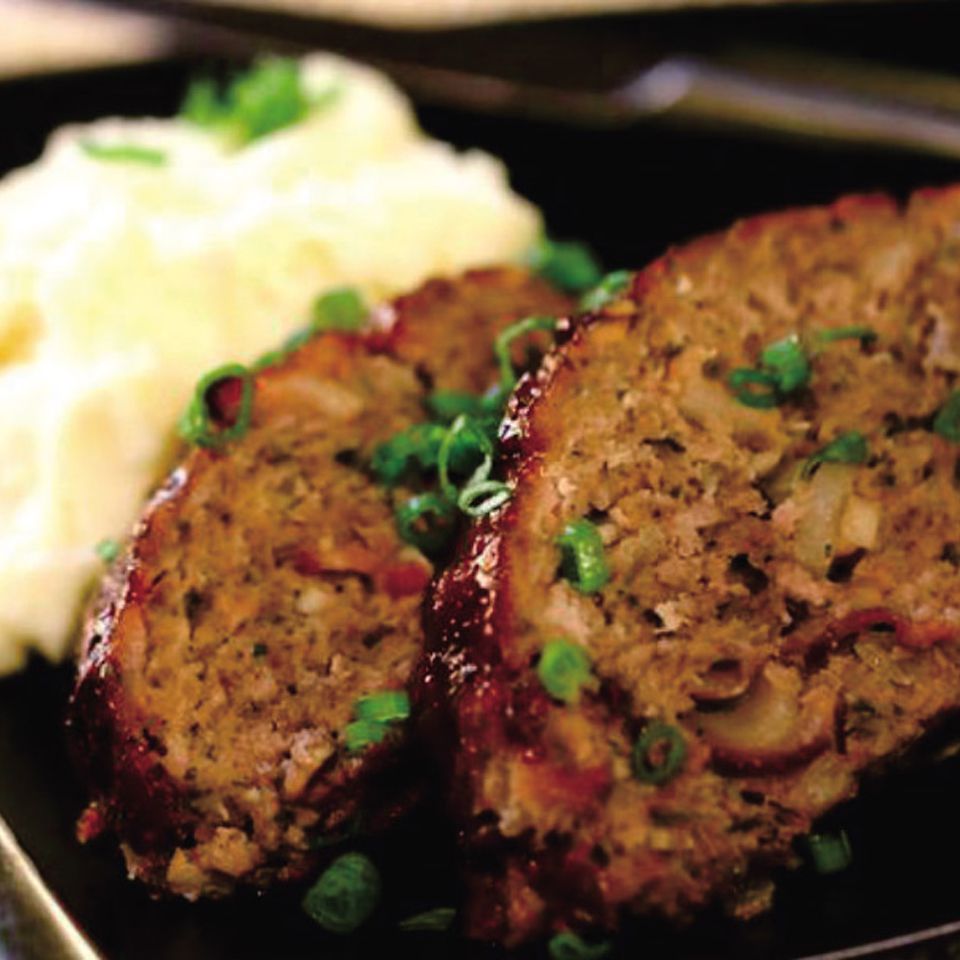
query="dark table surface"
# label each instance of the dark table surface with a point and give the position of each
(630, 194)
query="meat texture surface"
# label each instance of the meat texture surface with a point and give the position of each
(776, 608)
(264, 592)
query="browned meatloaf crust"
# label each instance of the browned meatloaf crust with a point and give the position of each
(264, 591)
(793, 621)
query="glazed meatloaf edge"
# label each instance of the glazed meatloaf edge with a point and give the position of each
(766, 603)
(264, 592)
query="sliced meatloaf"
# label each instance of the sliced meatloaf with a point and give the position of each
(726, 583)
(264, 593)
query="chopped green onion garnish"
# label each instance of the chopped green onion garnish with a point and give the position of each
(501, 346)
(265, 99)
(387, 706)
(466, 434)
(202, 105)
(784, 368)
(124, 153)
(196, 425)
(360, 734)
(107, 550)
(568, 946)
(849, 447)
(830, 852)
(447, 405)
(259, 650)
(439, 919)
(569, 266)
(479, 499)
(339, 309)
(947, 420)
(583, 563)
(754, 388)
(373, 714)
(658, 754)
(424, 445)
(417, 445)
(563, 669)
(493, 402)
(268, 97)
(863, 334)
(428, 522)
(787, 362)
(345, 895)
(608, 289)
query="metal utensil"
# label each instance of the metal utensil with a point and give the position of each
(33, 926)
(689, 88)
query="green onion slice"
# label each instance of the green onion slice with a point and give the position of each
(440, 918)
(339, 309)
(447, 405)
(471, 437)
(479, 499)
(787, 362)
(583, 563)
(947, 420)
(607, 290)
(360, 734)
(417, 445)
(387, 706)
(784, 368)
(107, 550)
(124, 153)
(568, 946)
(427, 521)
(563, 669)
(345, 895)
(196, 424)
(863, 334)
(830, 852)
(501, 346)
(849, 447)
(569, 266)
(268, 97)
(754, 388)
(658, 754)
(202, 106)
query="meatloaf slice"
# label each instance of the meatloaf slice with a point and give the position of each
(726, 583)
(264, 592)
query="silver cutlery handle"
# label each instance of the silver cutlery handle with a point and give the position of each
(688, 88)
(33, 926)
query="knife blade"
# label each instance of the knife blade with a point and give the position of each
(33, 925)
(690, 89)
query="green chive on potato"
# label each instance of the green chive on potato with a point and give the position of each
(725, 582)
(279, 195)
(245, 667)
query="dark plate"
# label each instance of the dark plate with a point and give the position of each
(630, 194)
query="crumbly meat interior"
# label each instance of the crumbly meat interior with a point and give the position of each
(795, 625)
(279, 593)
(265, 591)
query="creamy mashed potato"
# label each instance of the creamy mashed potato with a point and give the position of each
(121, 283)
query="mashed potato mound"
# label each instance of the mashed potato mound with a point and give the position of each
(121, 283)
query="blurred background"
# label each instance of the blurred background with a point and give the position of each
(697, 112)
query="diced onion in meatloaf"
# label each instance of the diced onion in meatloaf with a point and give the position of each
(781, 610)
